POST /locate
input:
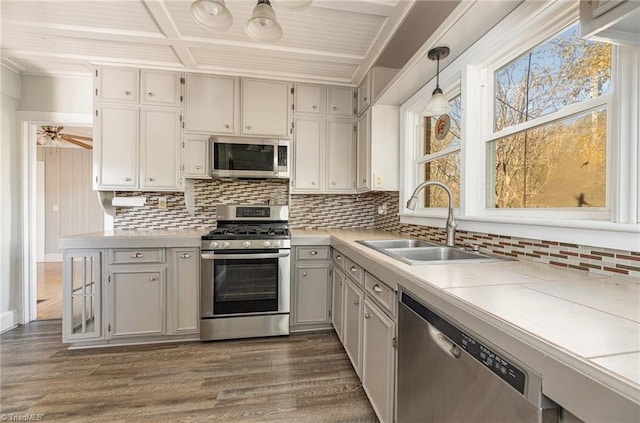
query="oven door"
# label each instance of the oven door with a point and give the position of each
(245, 282)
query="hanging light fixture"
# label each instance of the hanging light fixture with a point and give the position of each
(263, 25)
(438, 103)
(212, 14)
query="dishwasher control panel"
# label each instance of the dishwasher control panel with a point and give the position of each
(493, 361)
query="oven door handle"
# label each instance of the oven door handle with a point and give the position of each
(209, 256)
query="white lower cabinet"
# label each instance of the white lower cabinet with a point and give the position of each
(311, 288)
(337, 301)
(137, 297)
(353, 317)
(378, 360)
(128, 295)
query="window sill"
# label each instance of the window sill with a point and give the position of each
(618, 236)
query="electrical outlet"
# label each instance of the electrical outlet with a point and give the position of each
(382, 209)
(377, 181)
(162, 202)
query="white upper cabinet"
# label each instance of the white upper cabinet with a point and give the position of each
(615, 21)
(117, 84)
(308, 150)
(265, 108)
(195, 156)
(159, 88)
(116, 152)
(340, 155)
(159, 149)
(308, 99)
(212, 104)
(340, 101)
(363, 151)
(364, 94)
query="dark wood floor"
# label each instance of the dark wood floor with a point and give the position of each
(299, 378)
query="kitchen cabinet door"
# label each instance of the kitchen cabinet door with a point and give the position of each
(308, 99)
(116, 147)
(353, 325)
(186, 290)
(160, 149)
(82, 286)
(364, 155)
(137, 299)
(195, 156)
(117, 84)
(340, 101)
(308, 152)
(311, 288)
(265, 108)
(364, 95)
(159, 88)
(378, 360)
(340, 155)
(212, 104)
(337, 301)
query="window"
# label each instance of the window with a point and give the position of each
(548, 147)
(440, 159)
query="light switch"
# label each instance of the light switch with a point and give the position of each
(377, 181)
(162, 202)
(54, 208)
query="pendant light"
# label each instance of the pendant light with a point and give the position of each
(263, 25)
(438, 103)
(212, 14)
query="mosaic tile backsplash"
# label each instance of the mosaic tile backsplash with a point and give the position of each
(358, 211)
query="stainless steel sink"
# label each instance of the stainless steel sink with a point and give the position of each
(383, 244)
(416, 252)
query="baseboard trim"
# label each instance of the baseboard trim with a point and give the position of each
(8, 320)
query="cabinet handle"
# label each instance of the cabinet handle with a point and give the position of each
(137, 255)
(315, 107)
(150, 94)
(366, 315)
(127, 93)
(127, 179)
(185, 255)
(227, 126)
(304, 273)
(353, 269)
(152, 278)
(334, 108)
(376, 288)
(313, 253)
(249, 127)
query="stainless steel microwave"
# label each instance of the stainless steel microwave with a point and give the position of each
(235, 157)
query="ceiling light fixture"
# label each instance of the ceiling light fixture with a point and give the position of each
(262, 26)
(212, 14)
(438, 103)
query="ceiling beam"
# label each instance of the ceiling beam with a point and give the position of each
(369, 7)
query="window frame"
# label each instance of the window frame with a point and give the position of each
(614, 227)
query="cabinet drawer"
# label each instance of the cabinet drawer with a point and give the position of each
(340, 259)
(140, 255)
(312, 253)
(377, 290)
(355, 272)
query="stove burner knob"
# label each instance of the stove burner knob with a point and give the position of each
(215, 244)
(226, 244)
(276, 243)
(246, 244)
(266, 244)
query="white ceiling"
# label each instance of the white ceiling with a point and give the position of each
(332, 41)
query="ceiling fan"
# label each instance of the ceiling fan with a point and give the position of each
(51, 135)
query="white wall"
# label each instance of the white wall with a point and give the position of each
(59, 94)
(10, 212)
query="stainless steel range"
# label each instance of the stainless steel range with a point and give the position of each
(245, 273)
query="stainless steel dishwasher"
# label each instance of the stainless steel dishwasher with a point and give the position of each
(445, 375)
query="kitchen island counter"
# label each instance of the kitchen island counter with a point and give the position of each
(122, 238)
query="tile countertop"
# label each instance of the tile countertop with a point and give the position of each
(580, 331)
(121, 238)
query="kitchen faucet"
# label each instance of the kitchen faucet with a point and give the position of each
(451, 224)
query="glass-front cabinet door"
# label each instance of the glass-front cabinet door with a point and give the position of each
(82, 274)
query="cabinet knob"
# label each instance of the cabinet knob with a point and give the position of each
(364, 98)
(315, 107)
(313, 253)
(249, 127)
(334, 108)
(364, 180)
(366, 315)
(313, 182)
(353, 269)
(227, 126)
(197, 167)
(185, 255)
(127, 93)
(356, 302)
(137, 255)
(150, 94)
(152, 278)
(304, 273)
(338, 257)
(127, 179)
(152, 179)
(376, 288)
(339, 283)
(333, 183)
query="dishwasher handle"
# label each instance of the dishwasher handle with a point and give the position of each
(444, 343)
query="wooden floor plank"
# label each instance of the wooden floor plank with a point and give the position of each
(299, 378)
